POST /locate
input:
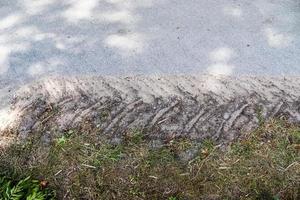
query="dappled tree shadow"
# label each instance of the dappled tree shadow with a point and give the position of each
(39, 37)
(125, 37)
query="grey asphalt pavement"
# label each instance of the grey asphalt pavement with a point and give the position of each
(117, 37)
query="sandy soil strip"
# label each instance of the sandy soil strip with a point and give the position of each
(165, 106)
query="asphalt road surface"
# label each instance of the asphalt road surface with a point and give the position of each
(125, 37)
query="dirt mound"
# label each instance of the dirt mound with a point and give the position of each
(196, 107)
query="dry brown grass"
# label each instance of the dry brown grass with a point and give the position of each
(78, 165)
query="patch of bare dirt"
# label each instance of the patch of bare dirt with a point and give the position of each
(196, 107)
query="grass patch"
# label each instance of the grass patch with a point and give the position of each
(79, 165)
(24, 189)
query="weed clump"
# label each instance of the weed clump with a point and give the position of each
(26, 188)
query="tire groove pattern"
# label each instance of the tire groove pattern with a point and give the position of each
(190, 106)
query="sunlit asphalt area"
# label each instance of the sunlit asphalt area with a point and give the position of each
(39, 38)
(116, 37)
